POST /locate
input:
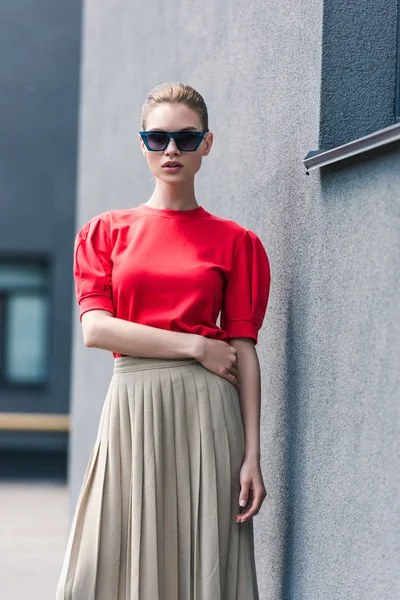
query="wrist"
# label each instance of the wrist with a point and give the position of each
(196, 346)
(253, 456)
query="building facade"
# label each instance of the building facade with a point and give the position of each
(291, 89)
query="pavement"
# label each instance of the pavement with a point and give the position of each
(33, 536)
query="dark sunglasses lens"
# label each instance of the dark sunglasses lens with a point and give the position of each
(157, 141)
(187, 141)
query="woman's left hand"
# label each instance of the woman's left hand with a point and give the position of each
(252, 490)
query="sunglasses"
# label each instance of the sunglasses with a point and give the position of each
(186, 141)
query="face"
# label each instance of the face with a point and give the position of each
(175, 117)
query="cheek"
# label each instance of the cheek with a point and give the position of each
(194, 163)
(153, 162)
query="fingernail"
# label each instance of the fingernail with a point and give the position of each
(242, 503)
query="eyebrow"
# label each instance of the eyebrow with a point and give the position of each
(184, 129)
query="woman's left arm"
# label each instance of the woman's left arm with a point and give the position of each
(252, 489)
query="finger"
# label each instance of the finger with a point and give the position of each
(232, 379)
(233, 350)
(234, 371)
(244, 493)
(253, 509)
(243, 509)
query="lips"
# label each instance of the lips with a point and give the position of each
(171, 163)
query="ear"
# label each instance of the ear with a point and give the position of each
(208, 143)
(142, 145)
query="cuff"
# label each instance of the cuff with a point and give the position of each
(236, 329)
(96, 302)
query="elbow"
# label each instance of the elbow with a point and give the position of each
(89, 335)
(92, 327)
(89, 338)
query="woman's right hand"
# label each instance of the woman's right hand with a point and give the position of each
(219, 357)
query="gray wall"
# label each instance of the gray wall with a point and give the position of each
(329, 349)
(39, 85)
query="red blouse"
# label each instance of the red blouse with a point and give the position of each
(173, 269)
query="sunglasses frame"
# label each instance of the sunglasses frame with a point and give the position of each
(175, 136)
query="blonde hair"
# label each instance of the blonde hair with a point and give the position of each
(175, 92)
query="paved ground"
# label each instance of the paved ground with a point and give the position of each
(33, 535)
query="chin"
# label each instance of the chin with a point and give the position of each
(171, 178)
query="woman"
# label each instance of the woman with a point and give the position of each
(173, 482)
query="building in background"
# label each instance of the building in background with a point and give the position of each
(39, 86)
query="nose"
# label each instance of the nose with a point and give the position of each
(171, 149)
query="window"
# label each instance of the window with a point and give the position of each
(24, 322)
(360, 80)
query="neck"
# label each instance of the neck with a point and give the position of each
(173, 196)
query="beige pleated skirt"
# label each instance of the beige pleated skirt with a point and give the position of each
(155, 518)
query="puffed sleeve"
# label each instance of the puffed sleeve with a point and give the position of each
(247, 289)
(93, 266)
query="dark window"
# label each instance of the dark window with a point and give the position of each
(24, 322)
(359, 70)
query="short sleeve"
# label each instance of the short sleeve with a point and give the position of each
(247, 289)
(93, 267)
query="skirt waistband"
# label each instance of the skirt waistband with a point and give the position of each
(126, 364)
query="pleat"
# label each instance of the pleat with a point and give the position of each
(155, 518)
(235, 442)
(194, 465)
(68, 570)
(157, 441)
(83, 584)
(110, 517)
(207, 522)
(65, 583)
(148, 569)
(170, 501)
(241, 540)
(186, 424)
(125, 484)
(137, 486)
(130, 408)
(226, 473)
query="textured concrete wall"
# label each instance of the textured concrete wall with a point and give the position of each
(342, 396)
(329, 347)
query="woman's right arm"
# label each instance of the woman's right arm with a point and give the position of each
(102, 330)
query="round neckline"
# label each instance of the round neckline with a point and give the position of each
(170, 213)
